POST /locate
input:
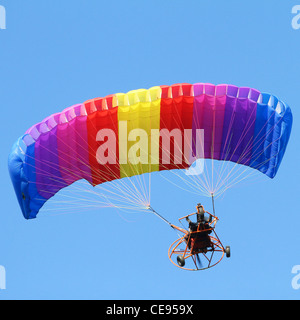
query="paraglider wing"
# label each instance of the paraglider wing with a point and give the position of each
(97, 140)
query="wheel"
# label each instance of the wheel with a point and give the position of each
(227, 251)
(181, 261)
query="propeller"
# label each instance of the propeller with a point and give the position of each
(199, 261)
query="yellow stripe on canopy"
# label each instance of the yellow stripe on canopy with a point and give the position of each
(139, 125)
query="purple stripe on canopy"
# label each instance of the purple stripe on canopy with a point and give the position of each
(228, 115)
(72, 141)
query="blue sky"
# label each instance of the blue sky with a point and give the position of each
(56, 55)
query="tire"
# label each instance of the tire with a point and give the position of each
(228, 252)
(181, 261)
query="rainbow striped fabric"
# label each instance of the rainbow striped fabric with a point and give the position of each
(241, 125)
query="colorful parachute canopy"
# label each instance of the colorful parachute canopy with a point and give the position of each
(240, 125)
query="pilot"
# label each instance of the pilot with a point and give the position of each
(200, 230)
